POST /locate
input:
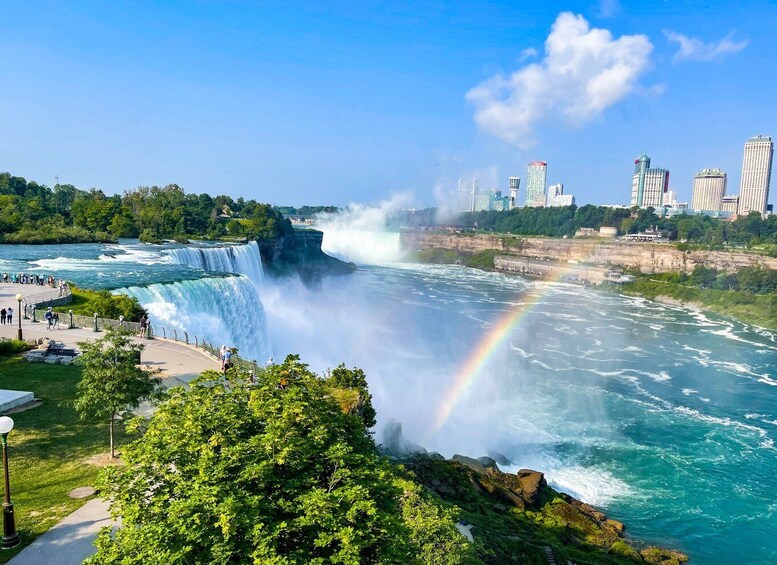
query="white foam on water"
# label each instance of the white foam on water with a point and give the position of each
(689, 391)
(593, 485)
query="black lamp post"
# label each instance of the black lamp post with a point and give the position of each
(19, 317)
(10, 535)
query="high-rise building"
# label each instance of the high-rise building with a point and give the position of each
(535, 183)
(556, 196)
(463, 197)
(648, 185)
(515, 184)
(709, 188)
(756, 174)
(491, 200)
(730, 204)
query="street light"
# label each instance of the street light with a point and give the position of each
(10, 536)
(19, 317)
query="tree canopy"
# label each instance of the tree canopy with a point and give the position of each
(274, 472)
(112, 382)
(31, 212)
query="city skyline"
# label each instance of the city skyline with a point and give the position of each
(329, 105)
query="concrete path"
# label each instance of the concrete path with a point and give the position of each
(70, 541)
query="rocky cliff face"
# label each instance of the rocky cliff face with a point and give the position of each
(646, 257)
(300, 253)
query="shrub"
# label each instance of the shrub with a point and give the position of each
(11, 346)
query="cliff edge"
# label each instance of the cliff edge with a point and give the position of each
(299, 253)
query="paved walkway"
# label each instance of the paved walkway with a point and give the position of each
(70, 541)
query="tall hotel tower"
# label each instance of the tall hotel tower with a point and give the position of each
(756, 173)
(515, 184)
(709, 188)
(535, 183)
(648, 185)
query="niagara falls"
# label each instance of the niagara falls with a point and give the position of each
(378, 283)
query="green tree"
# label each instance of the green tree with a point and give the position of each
(112, 382)
(273, 473)
(350, 388)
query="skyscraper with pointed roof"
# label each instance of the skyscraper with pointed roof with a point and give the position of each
(648, 185)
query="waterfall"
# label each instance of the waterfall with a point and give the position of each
(362, 246)
(241, 259)
(223, 310)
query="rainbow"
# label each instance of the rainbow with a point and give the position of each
(477, 359)
(482, 352)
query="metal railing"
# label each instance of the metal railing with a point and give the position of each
(35, 302)
(50, 298)
(97, 324)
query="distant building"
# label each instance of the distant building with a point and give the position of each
(730, 203)
(536, 180)
(515, 184)
(756, 175)
(491, 201)
(648, 185)
(556, 196)
(709, 188)
(608, 231)
(466, 196)
(671, 203)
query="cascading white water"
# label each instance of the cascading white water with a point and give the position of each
(223, 310)
(362, 246)
(242, 259)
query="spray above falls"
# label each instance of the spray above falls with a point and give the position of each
(359, 233)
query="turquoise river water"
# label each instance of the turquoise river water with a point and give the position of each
(662, 416)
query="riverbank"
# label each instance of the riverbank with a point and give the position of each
(642, 257)
(573, 258)
(756, 309)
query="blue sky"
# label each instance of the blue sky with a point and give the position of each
(338, 102)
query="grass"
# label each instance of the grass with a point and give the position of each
(48, 447)
(757, 309)
(87, 302)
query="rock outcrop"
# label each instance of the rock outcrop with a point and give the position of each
(516, 514)
(646, 257)
(300, 253)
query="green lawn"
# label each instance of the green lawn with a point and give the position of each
(48, 447)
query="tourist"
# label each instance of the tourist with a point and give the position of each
(2, 316)
(49, 318)
(143, 325)
(227, 360)
(55, 320)
(221, 355)
(9, 316)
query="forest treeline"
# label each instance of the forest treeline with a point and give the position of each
(563, 221)
(34, 213)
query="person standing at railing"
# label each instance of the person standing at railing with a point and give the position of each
(227, 362)
(143, 325)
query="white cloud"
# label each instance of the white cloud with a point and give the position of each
(694, 49)
(609, 8)
(584, 72)
(528, 53)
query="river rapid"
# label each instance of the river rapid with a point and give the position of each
(663, 416)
